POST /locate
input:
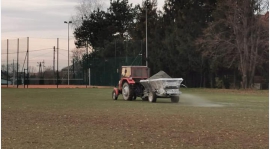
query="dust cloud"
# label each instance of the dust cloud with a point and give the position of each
(192, 100)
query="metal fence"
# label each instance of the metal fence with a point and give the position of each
(38, 61)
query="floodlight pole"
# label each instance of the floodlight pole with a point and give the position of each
(68, 47)
(146, 54)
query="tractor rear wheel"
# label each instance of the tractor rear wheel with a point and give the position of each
(127, 91)
(175, 99)
(152, 97)
(114, 95)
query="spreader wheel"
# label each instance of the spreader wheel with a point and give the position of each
(175, 99)
(152, 97)
(127, 91)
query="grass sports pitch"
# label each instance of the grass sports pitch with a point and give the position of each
(89, 118)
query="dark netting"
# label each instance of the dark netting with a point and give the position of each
(105, 72)
(44, 61)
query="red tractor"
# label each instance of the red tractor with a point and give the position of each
(129, 84)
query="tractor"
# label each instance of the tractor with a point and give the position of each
(129, 84)
(135, 83)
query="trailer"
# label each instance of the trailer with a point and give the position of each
(162, 88)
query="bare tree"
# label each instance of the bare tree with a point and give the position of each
(49, 75)
(77, 54)
(84, 9)
(10, 67)
(32, 69)
(237, 37)
(4, 67)
(48, 72)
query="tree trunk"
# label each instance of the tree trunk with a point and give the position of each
(244, 81)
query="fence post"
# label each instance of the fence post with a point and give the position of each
(13, 73)
(89, 77)
(86, 62)
(7, 63)
(53, 64)
(23, 78)
(57, 75)
(17, 63)
(27, 76)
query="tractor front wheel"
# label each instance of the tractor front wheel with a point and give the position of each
(127, 91)
(114, 95)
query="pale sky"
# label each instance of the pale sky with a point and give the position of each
(42, 21)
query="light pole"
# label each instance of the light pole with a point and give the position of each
(68, 47)
(115, 35)
(146, 48)
(146, 53)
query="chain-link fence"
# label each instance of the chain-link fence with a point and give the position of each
(105, 72)
(36, 61)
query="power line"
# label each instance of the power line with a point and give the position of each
(29, 51)
(63, 49)
(40, 55)
(15, 38)
(62, 54)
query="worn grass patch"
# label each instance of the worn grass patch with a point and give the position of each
(89, 118)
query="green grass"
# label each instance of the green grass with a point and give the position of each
(89, 118)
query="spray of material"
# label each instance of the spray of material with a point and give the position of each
(192, 100)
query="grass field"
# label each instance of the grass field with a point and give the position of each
(89, 118)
